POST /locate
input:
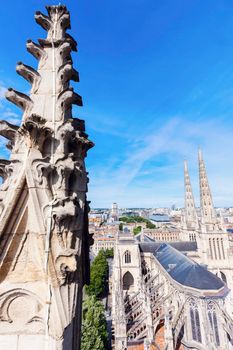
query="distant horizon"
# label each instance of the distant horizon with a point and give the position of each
(141, 208)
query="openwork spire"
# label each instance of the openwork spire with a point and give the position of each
(51, 95)
(44, 248)
(206, 203)
(191, 219)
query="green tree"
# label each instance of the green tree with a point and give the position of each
(94, 327)
(125, 219)
(139, 219)
(129, 219)
(137, 230)
(150, 225)
(121, 226)
(98, 276)
(109, 253)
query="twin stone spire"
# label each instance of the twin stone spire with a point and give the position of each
(208, 218)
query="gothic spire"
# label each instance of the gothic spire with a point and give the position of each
(51, 95)
(208, 215)
(43, 205)
(190, 209)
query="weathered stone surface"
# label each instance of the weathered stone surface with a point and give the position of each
(44, 244)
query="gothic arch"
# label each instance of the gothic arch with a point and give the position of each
(13, 302)
(213, 321)
(127, 257)
(195, 321)
(128, 281)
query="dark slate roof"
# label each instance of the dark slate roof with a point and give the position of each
(139, 237)
(150, 246)
(185, 271)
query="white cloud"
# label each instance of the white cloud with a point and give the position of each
(177, 139)
(9, 113)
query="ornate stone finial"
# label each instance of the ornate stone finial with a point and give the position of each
(56, 23)
(8, 130)
(29, 73)
(19, 99)
(51, 95)
(36, 50)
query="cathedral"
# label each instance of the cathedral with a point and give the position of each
(165, 295)
(176, 295)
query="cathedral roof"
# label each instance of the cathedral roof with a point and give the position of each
(185, 271)
(149, 245)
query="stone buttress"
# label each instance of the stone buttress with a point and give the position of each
(44, 246)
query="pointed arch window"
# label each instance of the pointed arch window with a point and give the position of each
(195, 321)
(212, 316)
(128, 281)
(127, 257)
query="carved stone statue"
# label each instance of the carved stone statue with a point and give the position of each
(44, 245)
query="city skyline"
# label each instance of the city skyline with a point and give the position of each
(157, 82)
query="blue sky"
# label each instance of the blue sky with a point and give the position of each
(157, 82)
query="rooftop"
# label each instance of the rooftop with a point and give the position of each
(185, 271)
(148, 245)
